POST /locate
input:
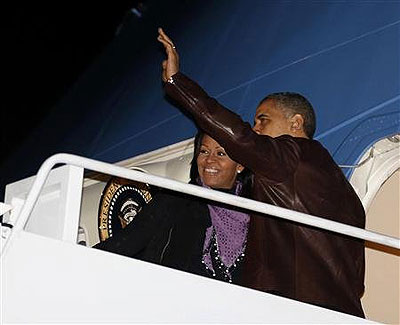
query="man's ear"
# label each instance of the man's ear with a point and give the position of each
(297, 123)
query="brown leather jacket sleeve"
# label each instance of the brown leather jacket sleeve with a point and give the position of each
(273, 158)
(299, 262)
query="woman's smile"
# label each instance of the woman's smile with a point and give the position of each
(215, 167)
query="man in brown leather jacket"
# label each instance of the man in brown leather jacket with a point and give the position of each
(292, 171)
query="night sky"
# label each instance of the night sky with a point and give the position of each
(48, 45)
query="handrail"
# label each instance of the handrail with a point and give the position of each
(195, 190)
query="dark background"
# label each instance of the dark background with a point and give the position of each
(84, 78)
(47, 46)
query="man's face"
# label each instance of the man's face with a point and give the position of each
(270, 120)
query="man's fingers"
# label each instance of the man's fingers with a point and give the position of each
(162, 33)
(167, 45)
(163, 36)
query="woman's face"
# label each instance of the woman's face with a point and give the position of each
(216, 169)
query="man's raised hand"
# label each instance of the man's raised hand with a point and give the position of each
(171, 64)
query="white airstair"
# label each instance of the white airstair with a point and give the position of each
(47, 277)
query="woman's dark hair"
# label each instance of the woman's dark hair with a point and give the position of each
(245, 177)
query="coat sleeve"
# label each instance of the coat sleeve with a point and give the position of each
(137, 235)
(273, 158)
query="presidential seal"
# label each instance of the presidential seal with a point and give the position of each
(120, 202)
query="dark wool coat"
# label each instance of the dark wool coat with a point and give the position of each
(169, 231)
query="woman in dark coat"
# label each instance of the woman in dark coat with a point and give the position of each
(188, 233)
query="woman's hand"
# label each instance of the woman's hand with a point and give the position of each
(171, 64)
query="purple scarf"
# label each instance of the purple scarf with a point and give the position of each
(231, 232)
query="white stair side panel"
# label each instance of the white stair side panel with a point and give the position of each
(46, 280)
(56, 213)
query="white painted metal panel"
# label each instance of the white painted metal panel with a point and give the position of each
(56, 213)
(46, 280)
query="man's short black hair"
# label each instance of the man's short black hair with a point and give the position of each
(294, 103)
